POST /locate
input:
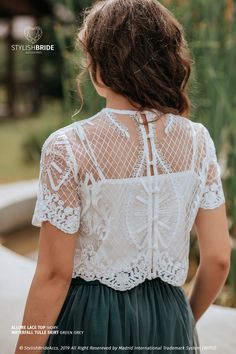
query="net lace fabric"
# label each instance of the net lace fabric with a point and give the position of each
(58, 198)
(118, 151)
(130, 194)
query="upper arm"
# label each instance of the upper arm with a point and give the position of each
(57, 209)
(213, 236)
(211, 221)
(56, 252)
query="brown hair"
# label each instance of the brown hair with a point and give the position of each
(140, 50)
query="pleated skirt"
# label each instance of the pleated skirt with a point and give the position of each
(153, 317)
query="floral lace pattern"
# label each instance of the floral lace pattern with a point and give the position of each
(131, 223)
(132, 274)
(212, 196)
(58, 200)
(51, 208)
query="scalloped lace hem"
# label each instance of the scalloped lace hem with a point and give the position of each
(111, 282)
(62, 226)
(212, 200)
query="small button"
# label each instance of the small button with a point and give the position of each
(150, 135)
(151, 162)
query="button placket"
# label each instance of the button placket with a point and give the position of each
(145, 144)
(153, 150)
(154, 219)
(148, 138)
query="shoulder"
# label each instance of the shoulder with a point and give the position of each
(58, 138)
(204, 141)
(200, 131)
(199, 128)
(204, 136)
(67, 135)
(195, 129)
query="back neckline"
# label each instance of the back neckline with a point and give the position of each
(130, 111)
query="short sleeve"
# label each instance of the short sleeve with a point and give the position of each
(213, 194)
(57, 198)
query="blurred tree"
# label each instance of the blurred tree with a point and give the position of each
(210, 28)
(68, 16)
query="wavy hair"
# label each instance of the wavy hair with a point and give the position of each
(141, 52)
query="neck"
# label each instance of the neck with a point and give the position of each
(116, 101)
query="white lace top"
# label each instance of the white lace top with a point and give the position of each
(130, 192)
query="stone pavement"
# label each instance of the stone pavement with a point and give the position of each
(16, 273)
(17, 202)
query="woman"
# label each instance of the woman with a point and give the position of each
(119, 193)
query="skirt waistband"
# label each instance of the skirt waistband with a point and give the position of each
(78, 280)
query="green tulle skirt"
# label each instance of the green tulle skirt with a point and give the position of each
(153, 317)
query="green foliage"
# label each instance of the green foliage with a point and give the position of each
(210, 30)
(65, 28)
(17, 163)
(65, 24)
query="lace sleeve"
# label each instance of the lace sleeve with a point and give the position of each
(57, 197)
(213, 194)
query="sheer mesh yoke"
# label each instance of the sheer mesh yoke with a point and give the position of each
(130, 192)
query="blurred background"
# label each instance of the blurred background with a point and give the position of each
(38, 95)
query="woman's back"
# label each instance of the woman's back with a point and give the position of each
(139, 187)
(117, 199)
